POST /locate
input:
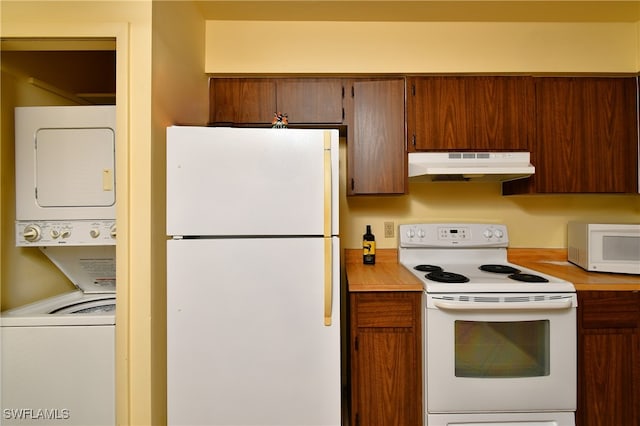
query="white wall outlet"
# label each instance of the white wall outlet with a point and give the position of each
(389, 229)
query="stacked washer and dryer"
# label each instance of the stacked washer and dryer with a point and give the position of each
(58, 354)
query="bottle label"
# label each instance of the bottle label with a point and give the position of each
(369, 247)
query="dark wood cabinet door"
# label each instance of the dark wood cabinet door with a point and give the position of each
(386, 388)
(242, 100)
(376, 161)
(608, 358)
(587, 136)
(472, 113)
(310, 100)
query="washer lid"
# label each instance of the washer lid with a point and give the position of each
(90, 268)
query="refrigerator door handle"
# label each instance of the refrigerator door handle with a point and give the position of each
(328, 281)
(327, 184)
(328, 255)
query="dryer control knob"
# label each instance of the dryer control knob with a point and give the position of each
(95, 233)
(31, 233)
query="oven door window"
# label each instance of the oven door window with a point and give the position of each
(488, 349)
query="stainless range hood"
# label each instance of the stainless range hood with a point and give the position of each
(469, 166)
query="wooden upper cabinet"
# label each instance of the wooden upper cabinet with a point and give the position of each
(376, 159)
(242, 100)
(310, 100)
(472, 113)
(587, 137)
(256, 100)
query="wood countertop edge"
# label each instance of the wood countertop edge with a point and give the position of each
(388, 275)
(554, 262)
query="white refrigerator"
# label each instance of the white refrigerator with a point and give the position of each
(253, 277)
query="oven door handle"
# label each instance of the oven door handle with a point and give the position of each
(493, 306)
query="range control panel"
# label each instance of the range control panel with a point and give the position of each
(65, 233)
(453, 235)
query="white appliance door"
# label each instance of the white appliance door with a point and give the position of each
(58, 375)
(492, 359)
(247, 334)
(232, 181)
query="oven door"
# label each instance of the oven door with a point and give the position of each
(500, 353)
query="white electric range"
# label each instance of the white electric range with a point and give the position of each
(500, 339)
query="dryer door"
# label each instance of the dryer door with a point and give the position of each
(75, 167)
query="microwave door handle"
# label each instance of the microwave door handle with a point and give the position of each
(493, 306)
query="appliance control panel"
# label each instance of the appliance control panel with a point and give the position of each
(65, 233)
(453, 235)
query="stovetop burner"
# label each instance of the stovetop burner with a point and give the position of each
(447, 277)
(528, 278)
(427, 268)
(499, 269)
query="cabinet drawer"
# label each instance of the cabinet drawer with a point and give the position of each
(384, 311)
(609, 309)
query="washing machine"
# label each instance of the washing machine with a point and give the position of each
(57, 355)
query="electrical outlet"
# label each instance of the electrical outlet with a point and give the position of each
(389, 230)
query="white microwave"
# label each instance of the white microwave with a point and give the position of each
(604, 247)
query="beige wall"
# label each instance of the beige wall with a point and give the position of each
(419, 47)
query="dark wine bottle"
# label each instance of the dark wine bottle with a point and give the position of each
(368, 247)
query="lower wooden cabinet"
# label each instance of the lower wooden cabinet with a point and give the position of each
(385, 359)
(608, 358)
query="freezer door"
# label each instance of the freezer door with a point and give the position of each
(247, 337)
(231, 181)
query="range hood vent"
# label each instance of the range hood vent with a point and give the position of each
(469, 166)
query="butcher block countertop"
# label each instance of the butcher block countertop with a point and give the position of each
(554, 262)
(388, 275)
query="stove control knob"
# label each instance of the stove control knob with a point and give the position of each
(487, 233)
(112, 230)
(411, 233)
(31, 233)
(94, 233)
(55, 233)
(66, 233)
(498, 233)
(421, 233)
